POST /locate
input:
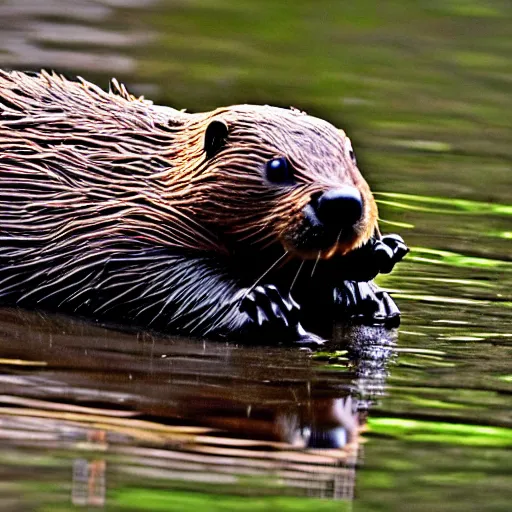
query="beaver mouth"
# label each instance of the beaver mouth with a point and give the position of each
(310, 238)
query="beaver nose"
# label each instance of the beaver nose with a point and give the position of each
(340, 207)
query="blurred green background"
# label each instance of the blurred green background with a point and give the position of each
(422, 87)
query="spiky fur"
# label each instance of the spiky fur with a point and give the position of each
(109, 206)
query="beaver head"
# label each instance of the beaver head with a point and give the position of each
(281, 176)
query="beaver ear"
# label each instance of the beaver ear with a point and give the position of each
(214, 137)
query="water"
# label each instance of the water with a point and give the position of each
(421, 418)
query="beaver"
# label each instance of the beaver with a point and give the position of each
(247, 222)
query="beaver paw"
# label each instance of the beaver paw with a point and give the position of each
(271, 314)
(376, 257)
(365, 303)
(388, 251)
(266, 307)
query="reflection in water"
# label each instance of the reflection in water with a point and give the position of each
(183, 411)
(89, 479)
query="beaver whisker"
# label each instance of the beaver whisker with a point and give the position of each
(296, 275)
(281, 258)
(316, 263)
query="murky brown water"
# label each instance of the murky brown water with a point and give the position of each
(414, 420)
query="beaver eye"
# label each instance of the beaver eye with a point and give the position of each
(279, 171)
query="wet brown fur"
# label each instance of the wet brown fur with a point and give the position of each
(147, 165)
(83, 171)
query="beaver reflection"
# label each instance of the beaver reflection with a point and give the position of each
(136, 409)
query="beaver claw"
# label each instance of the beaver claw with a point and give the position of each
(275, 315)
(388, 251)
(266, 306)
(365, 303)
(376, 257)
